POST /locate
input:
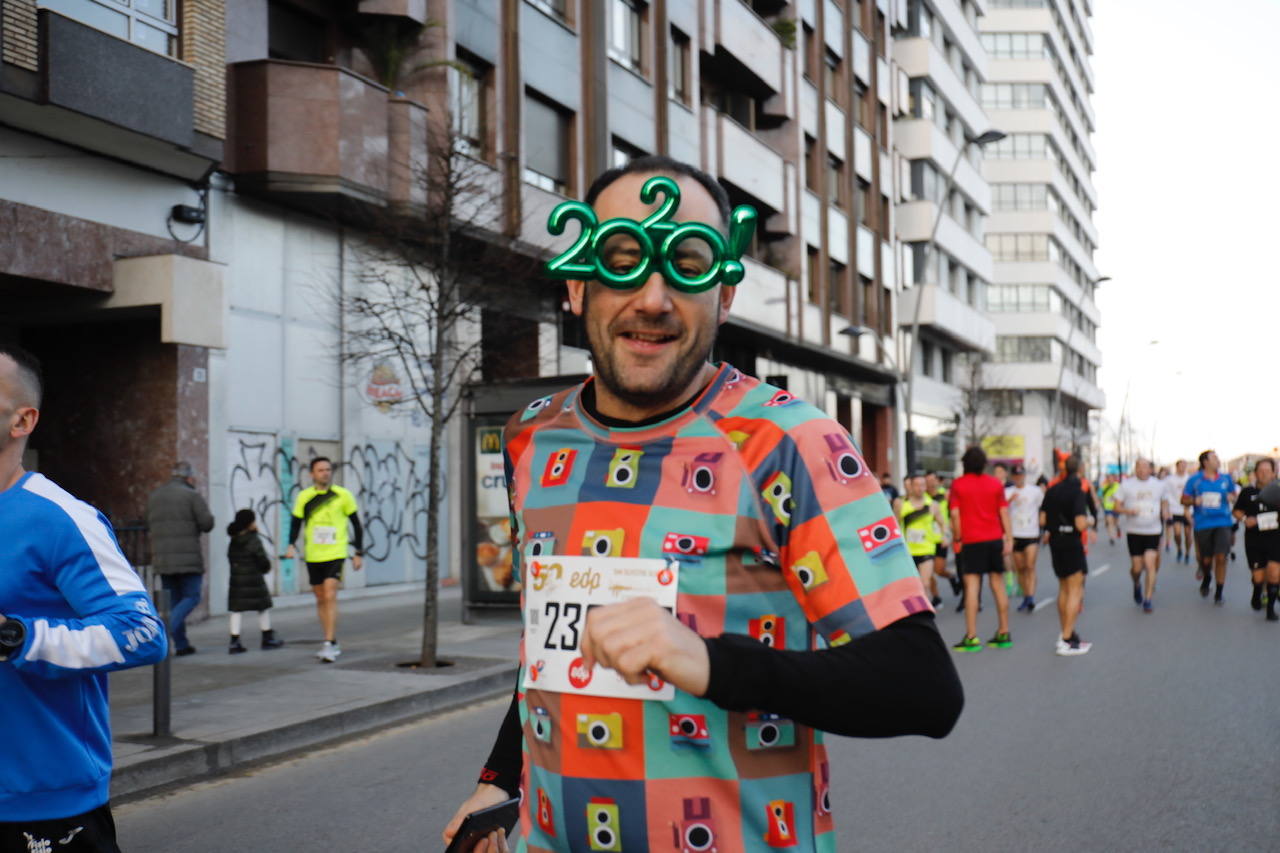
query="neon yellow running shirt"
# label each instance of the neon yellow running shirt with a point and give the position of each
(324, 535)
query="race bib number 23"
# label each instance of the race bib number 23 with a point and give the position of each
(561, 591)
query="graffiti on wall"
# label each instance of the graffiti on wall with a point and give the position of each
(389, 483)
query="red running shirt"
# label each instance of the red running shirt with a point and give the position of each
(978, 498)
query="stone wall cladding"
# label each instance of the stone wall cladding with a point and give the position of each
(18, 26)
(204, 39)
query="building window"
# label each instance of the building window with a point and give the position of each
(678, 68)
(832, 67)
(623, 152)
(947, 358)
(146, 23)
(1020, 196)
(1024, 348)
(546, 144)
(926, 358)
(837, 287)
(835, 181)
(469, 81)
(1019, 247)
(557, 9)
(1003, 404)
(811, 46)
(626, 28)
(811, 169)
(815, 277)
(296, 35)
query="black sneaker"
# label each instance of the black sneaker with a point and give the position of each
(183, 652)
(1137, 593)
(1272, 616)
(1204, 587)
(1256, 601)
(936, 601)
(957, 586)
(236, 647)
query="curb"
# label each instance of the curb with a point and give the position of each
(203, 760)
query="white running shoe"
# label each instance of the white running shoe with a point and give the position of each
(1074, 646)
(328, 652)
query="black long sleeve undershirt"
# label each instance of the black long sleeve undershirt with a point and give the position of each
(899, 680)
(357, 532)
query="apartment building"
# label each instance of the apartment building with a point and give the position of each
(1044, 378)
(187, 186)
(947, 267)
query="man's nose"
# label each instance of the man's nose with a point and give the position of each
(654, 297)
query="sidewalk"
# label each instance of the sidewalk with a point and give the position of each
(232, 709)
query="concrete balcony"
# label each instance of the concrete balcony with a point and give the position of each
(744, 35)
(104, 94)
(1047, 324)
(746, 162)
(1043, 375)
(323, 138)
(946, 315)
(919, 139)
(414, 10)
(915, 221)
(764, 297)
(920, 58)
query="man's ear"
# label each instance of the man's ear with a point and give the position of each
(726, 300)
(576, 289)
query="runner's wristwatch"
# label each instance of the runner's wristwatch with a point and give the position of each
(12, 635)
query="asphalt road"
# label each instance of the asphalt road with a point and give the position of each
(1164, 737)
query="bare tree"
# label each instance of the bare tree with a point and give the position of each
(977, 408)
(424, 276)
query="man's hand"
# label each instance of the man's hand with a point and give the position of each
(637, 637)
(1249, 521)
(1008, 546)
(290, 552)
(357, 562)
(484, 796)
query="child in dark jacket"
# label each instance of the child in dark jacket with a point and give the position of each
(248, 588)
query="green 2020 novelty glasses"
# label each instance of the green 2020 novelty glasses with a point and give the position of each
(658, 239)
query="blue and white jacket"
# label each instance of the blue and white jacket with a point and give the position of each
(63, 576)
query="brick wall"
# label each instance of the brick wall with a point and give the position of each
(18, 27)
(204, 47)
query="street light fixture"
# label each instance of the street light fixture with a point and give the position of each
(985, 138)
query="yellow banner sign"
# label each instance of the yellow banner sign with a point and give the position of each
(1005, 446)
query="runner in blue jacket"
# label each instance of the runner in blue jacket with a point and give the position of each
(71, 610)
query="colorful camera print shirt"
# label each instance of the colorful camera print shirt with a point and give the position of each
(782, 534)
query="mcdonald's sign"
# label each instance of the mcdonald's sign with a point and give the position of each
(490, 439)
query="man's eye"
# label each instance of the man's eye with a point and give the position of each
(622, 266)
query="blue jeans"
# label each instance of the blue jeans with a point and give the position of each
(184, 595)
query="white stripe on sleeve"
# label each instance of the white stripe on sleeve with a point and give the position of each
(87, 648)
(115, 568)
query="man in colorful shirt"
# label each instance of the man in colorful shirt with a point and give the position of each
(1209, 493)
(321, 512)
(798, 606)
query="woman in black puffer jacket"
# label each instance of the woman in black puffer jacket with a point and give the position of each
(248, 588)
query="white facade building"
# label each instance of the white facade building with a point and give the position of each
(1041, 233)
(945, 282)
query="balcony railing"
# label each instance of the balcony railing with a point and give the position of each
(322, 137)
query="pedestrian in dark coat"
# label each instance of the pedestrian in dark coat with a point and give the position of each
(247, 589)
(176, 516)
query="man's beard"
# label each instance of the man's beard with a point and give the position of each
(680, 376)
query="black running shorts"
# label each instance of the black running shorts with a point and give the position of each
(1260, 550)
(981, 558)
(92, 831)
(1021, 543)
(1067, 555)
(1214, 541)
(1139, 543)
(320, 572)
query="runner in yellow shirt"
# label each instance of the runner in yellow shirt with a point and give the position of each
(322, 513)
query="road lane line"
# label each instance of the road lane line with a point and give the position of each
(1040, 605)
(1045, 603)
(1099, 570)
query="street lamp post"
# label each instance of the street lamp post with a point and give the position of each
(984, 139)
(1062, 369)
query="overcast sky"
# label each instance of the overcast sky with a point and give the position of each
(1188, 122)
